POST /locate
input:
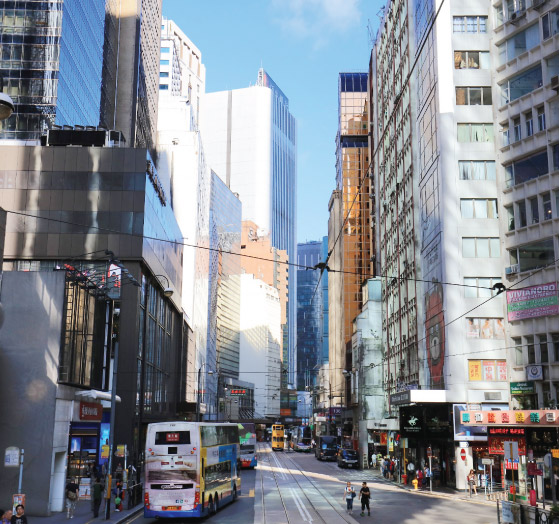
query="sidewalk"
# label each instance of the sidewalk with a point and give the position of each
(441, 491)
(84, 515)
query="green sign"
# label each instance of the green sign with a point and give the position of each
(522, 388)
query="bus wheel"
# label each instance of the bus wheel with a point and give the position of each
(212, 509)
(234, 493)
(216, 502)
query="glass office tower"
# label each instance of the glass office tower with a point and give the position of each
(51, 64)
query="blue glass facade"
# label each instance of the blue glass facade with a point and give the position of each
(309, 315)
(51, 62)
(81, 63)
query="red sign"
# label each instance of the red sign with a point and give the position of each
(463, 454)
(383, 439)
(496, 445)
(285, 412)
(430, 452)
(91, 411)
(172, 437)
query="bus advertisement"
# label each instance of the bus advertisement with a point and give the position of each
(247, 440)
(190, 468)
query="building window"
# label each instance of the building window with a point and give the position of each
(499, 15)
(487, 370)
(517, 129)
(518, 357)
(541, 118)
(556, 160)
(518, 44)
(479, 208)
(534, 210)
(475, 132)
(480, 287)
(521, 84)
(163, 74)
(546, 204)
(527, 169)
(471, 60)
(476, 169)
(522, 222)
(544, 355)
(555, 346)
(485, 328)
(531, 350)
(473, 96)
(481, 247)
(163, 62)
(164, 87)
(510, 217)
(470, 24)
(165, 49)
(505, 134)
(529, 124)
(533, 256)
(550, 24)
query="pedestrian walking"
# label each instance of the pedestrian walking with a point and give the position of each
(6, 516)
(427, 475)
(392, 467)
(365, 496)
(72, 490)
(97, 496)
(420, 479)
(19, 517)
(349, 495)
(374, 461)
(471, 478)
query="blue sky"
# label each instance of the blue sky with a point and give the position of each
(303, 45)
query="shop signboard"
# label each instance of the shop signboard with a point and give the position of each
(383, 439)
(506, 512)
(522, 388)
(512, 418)
(534, 372)
(92, 411)
(532, 302)
(466, 433)
(402, 397)
(285, 412)
(11, 457)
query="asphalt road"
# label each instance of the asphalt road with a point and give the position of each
(294, 488)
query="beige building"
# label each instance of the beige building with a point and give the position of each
(257, 251)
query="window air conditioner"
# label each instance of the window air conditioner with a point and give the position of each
(517, 15)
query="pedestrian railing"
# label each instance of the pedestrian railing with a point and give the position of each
(135, 494)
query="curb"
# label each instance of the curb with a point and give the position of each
(134, 513)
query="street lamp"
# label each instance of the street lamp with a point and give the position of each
(6, 103)
(167, 292)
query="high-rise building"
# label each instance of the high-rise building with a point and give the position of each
(250, 141)
(526, 83)
(436, 204)
(92, 63)
(349, 233)
(52, 64)
(309, 315)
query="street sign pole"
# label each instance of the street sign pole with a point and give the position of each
(20, 470)
(430, 474)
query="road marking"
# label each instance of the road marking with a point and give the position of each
(300, 506)
(280, 468)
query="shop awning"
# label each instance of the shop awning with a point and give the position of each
(96, 395)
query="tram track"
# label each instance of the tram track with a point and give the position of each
(283, 472)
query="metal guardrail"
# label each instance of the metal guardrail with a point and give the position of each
(135, 495)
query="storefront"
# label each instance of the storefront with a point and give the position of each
(87, 437)
(425, 426)
(535, 433)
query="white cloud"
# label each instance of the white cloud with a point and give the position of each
(316, 19)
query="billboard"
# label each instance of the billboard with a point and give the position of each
(531, 302)
(461, 432)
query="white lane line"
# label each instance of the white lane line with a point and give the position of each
(301, 506)
(280, 468)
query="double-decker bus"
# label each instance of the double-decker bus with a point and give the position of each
(247, 440)
(190, 468)
(277, 437)
(301, 438)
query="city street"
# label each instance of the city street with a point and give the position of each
(290, 487)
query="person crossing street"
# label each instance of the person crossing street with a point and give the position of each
(365, 496)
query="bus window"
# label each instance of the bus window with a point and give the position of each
(172, 437)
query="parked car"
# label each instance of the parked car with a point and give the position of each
(348, 458)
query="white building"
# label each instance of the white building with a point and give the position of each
(181, 158)
(250, 142)
(260, 359)
(525, 58)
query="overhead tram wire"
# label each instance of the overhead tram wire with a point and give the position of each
(368, 172)
(218, 250)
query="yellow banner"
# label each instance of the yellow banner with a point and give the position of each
(474, 370)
